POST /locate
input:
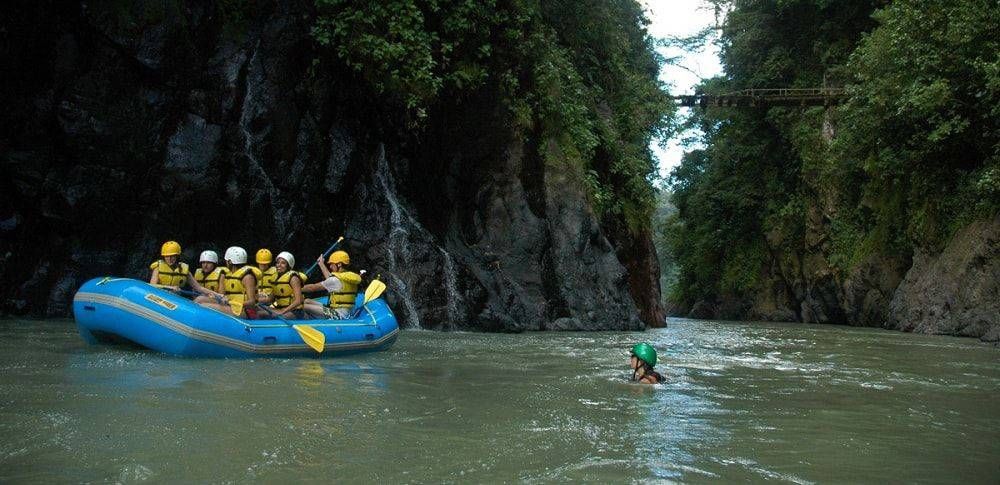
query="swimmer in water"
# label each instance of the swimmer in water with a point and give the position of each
(642, 358)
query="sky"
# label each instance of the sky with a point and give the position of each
(681, 18)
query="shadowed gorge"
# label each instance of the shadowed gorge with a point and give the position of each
(596, 241)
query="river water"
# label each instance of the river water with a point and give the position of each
(784, 402)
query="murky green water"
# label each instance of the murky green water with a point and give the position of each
(796, 403)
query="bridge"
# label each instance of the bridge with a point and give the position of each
(765, 97)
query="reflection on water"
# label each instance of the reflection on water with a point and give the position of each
(792, 403)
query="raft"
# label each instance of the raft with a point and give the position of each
(115, 309)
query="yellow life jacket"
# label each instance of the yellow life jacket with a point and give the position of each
(210, 280)
(265, 282)
(283, 294)
(348, 292)
(235, 291)
(168, 276)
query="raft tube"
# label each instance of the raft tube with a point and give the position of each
(108, 309)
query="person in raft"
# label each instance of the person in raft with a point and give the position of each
(239, 284)
(171, 273)
(210, 273)
(267, 274)
(211, 276)
(287, 287)
(339, 282)
(642, 358)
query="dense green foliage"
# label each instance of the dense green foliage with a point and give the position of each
(581, 74)
(920, 131)
(911, 156)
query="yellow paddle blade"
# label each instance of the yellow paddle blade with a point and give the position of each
(236, 306)
(312, 337)
(374, 290)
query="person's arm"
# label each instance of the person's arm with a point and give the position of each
(250, 288)
(155, 279)
(322, 267)
(297, 299)
(313, 288)
(329, 285)
(197, 286)
(222, 282)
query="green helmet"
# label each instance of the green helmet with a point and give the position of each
(645, 353)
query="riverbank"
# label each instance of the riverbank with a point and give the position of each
(744, 402)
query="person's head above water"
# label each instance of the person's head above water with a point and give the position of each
(642, 358)
(643, 352)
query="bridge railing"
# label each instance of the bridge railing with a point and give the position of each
(766, 97)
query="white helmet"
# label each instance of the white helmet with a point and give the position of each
(236, 255)
(287, 256)
(209, 256)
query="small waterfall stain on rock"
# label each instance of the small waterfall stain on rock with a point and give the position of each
(454, 298)
(399, 252)
(255, 105)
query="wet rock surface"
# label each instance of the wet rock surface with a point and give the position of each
(952, 292)
(956, 292)
(124, 130)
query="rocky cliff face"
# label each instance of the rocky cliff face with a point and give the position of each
(125, 128)
(954, 292)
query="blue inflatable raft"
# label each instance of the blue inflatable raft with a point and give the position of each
(123, 308)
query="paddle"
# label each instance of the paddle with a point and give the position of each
(312, 337)
(328, 251)
(374, 290)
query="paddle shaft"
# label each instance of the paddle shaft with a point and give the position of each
(328, 251)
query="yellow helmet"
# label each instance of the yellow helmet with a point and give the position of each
(264, 256)
(339, 257)
(170, 248)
